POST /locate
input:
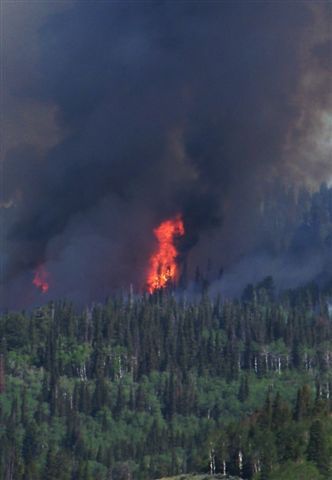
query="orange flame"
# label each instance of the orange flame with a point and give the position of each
(163, 265)
(40, 279)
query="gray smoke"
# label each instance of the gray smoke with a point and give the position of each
(118, 115)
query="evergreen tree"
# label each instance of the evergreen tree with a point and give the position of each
(317, 451)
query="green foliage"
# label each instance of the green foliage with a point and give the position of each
(152, 387)
(296, 471)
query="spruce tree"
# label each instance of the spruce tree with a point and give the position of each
(317, 451)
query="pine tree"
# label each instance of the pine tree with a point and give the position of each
(303, 403)
(243, 393)
(2, 373)
(317, 451)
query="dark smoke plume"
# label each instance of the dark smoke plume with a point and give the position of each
(118, 114)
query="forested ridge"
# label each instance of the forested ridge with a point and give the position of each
(150, 386)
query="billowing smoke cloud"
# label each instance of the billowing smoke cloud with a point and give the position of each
(120, 114)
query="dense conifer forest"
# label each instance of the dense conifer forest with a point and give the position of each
(142, 388)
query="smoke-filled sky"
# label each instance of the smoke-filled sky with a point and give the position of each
(117, 115)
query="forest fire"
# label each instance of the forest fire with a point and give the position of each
(40, 279)
(163, 262)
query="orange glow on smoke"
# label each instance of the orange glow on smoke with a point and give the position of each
(40, 279)
(163, 262)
